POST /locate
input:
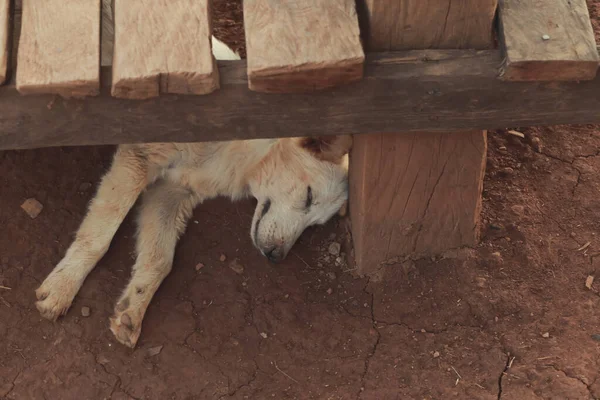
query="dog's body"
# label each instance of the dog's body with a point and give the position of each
(298, 182)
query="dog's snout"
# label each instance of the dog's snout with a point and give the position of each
(274, 254)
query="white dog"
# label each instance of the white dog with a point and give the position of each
(298, 182)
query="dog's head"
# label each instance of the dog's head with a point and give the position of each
(301, 182)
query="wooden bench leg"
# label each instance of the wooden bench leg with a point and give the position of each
(414, 194)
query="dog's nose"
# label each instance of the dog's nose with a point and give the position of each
(274, 254)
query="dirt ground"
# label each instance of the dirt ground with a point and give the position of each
(511, 318)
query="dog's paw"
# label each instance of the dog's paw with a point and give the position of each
(55, 296)
(126, 325)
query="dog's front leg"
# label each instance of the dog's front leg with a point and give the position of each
(165, 211)
(120, 187)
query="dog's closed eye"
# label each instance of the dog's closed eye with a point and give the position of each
(309, 198)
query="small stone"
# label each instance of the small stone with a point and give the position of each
(502, 148)
(85, 311)
(32, 207)
(507, 171)
(334, 249)
(199, 266)
(236, 266)
(518, 209)
(423, 331)
(436, 354)
(153, 351)
(546, 334)
(85, 186)
(596, 337)
(545, 37)
(536, 143)
(287, 296)
(366, 305)
(331, 275)
(589, 282)
(264, 335)
(481, 281)
(330, 291)
(223, 258)
(572, 234)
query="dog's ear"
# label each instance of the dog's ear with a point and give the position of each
(328, 148)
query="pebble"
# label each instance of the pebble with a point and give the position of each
(589, 281)
(518, 209)
(329, 291)
(596, 337)
(264, 335)
(335, 248)
(85, 311)
(236, 266)
(436, 354)
(223, 258)
(32, 207)
(536, 144)
(153, 351)
(507, 171)
(481, 281)
(199, 266)
(331, 275)
(85, 186)
(546, 335)
(546, 37)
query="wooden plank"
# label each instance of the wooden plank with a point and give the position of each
(162, 46)
(107, 45)
(414, 91)
(4, 30)
(427, 24)
(297, 46)
(434, 202)
(59, 49)
(547, 40)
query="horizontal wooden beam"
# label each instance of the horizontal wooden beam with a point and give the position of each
(412, 91)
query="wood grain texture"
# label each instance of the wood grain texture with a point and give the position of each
(414, 91)
(567, 53)
(107, 45)
(59, 48)
(162, 46)
(297, 46)
(429, 24)
(4, 30)
(425, 196)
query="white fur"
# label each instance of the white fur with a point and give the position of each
(177, 177)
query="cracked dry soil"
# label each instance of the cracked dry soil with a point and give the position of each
(510, 319)
(468, 325)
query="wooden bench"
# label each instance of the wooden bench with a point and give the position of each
(418, 101)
